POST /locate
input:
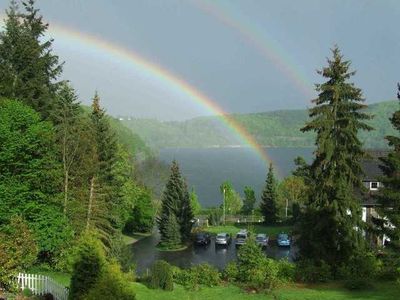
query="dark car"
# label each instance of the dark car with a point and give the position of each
(202, 239)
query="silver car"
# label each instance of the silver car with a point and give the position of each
(223, 239)
(241, 237)
(262, 240)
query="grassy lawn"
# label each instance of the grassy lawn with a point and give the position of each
(61, 278)
(133, 238)
(330, 291)
(232, 229)
(382, 291)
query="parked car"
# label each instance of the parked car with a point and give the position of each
(262, 240)
(283, 240)
(241, 237)
(202, 239)
(223, 239)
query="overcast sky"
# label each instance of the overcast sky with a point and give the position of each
(247, 55)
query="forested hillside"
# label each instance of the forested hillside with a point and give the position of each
(274, 129)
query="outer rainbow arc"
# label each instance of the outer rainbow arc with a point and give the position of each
(263, 45)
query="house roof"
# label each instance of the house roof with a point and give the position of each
(372, 172)
(370, 165)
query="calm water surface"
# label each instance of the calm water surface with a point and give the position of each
(206, 169)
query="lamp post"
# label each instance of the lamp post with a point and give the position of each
(223, 200)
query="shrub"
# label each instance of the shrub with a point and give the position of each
(286, 270)
(18, 251)
(198, 275)
(313, 271)
(254, 269)
(87, 268)
(231, 272)
(360, 271)
(161, 276)
(390, 266)
(112, 285)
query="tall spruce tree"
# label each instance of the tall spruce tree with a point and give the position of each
(269, 198)
(176, 201)
(28, 67)
(389, 195)
(329, 224)
(101, 208)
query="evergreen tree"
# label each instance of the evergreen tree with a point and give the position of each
(68, 134)
(269, 198)
(185, 215)
(172, 238)
(106, 143)
(332, 214)
(87, 267)
(176, 201)
(249, 200)
(103, 200)
(28, 67)
(389, 195)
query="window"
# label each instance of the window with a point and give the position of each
(374, 185)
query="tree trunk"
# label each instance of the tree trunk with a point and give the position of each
(286, 208)
(66, 173)
(90, 204)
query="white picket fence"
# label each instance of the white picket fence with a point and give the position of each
(40, 285)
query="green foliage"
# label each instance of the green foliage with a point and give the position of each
(255, 270)
(249, 200)
(293, 191)
(172, 236)
(361, 270)
(142, 218)
(269, 198)
(388, 196)
(198, 275)
(18, 251)
(112, 284)
(233, 201)
(327, 229)
(28, 68)
(161, 276)
(194, 202)
(215, 217)
(30, 177)
(286, 270)
(390, 266)
(176, 215)
(313, 271)
(231, 272)
(87, 267)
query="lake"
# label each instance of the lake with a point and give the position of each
(205, 169)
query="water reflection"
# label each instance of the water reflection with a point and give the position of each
(145, 253)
